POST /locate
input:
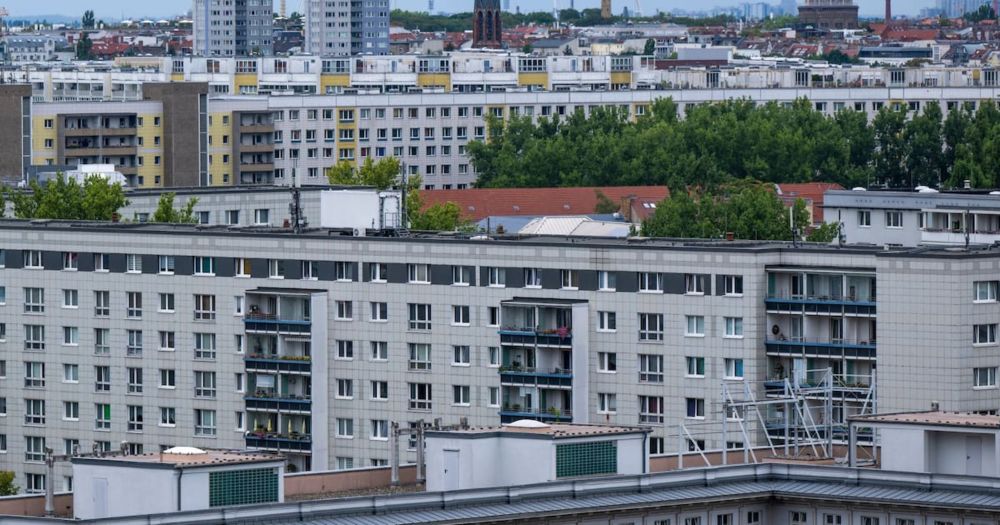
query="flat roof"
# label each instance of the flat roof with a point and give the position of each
(208, 458)
(544, 430)
(937, 418)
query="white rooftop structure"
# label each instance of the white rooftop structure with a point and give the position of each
(578, 226)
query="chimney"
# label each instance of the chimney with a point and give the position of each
(888, 12)
(935, 406)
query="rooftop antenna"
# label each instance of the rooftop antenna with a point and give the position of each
(298, 221)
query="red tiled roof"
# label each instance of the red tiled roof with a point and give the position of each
(477, 204)
(811, 192)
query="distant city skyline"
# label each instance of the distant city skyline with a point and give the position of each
(117, 9)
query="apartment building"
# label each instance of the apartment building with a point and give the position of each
(233, 28)
(920, 217)
(347, 28)
(313, 344)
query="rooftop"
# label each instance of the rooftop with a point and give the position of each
(935, 417)
(181, 457)
(537, 429)
(478, 203)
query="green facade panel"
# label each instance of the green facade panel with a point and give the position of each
(243, 487)
(586, 459)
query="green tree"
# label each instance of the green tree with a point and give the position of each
(61, 198)
(924, 143)
(890, 147)
(445, 216)
(7, 486)
(165, 212)
(84, 47)
(824, 233)
(87, 22)
(650, 48)
(604, 204)
(381, 175)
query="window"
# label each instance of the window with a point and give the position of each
(379, 350)
(71, 410)
(134, 385)
(232, 217)
(34, 412)
(379, 312)
(204, 265)
(494, 396)
(607, 403)
(166, 265)
(461, 355)
(493, 315)
(420, 356)
(734, 327)
(102, 379)
(204, 307)
(102, 262)
(343, 271)
(102, 341)
(695, 366)
(569, 279)
(461, 275)
(832, 519)
(204, 346)
(345, 310)
(167, 341)
(606, 281)
(34, 337)
(864, 218)
(650, 409)
(380, 429)
(70, 261)
(695, 408)
(134, 343)
(695, 326)
(496, 277)
(34, 448)
(733, 285)
(204, 384)
(753, 518)
(460, 315)
(985, 377)
(168, 416)
(102, 421)
(606, 322)
(532, 278)
(650, 327)
(378, 273)
(276, 268)
(242, 268)
(420, 316)
(34, 374)
(872, 520)
(724, 519)
(650, 282)
(460, 395)
(134, 300)
(344, 463)
(694, 284)
(133, 263)
(380, 390)
(420, 396)
(345, 350)
(261, 217)
(494, 355)
(102, 303)
(345, 389)
(986, 291)
(33, 259)
(650, 368)
(607, 362)
(893, 219)
(71, 373)
(984, 334)
(418, 273)
(238, 302)
(345, 428)
(204, 422)
(34, 300)
(734, 368)
(134, 418)
(168, 378)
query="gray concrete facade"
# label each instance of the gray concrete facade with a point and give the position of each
(226, 28)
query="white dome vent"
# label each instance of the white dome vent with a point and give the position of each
(527, 423)
(185, 451)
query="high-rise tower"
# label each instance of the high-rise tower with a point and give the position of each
(363, 28)
(487, 26)
(605, 8)
(233, 30)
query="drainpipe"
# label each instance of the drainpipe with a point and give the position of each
(643, 454)
(50, 483)
(180, 474)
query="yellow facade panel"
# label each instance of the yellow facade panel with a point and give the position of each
(442, 80)
(533, 79)
(621, 77)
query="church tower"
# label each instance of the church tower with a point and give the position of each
(487, 28)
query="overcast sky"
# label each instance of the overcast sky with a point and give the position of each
(115, 9)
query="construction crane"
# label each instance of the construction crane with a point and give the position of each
(3, 14)
(638, 9)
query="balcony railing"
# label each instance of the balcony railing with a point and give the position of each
(535, 337)
(287, 364)
(825, 348)
(823, 304)
(511, 413)
(274, 402)
(268, 322)
(279, 442)
(554, 378)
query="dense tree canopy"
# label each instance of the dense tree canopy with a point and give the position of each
(165, 211)
(96, 200)
(717, 143)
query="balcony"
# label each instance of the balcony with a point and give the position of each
(271, 402)
(293, 442)
(845, 388)
(561, 379)
(820, 305)
(559, 337)
(831, 348)
(512, 413)
(263, 322)
(254, 167)
(278, 364)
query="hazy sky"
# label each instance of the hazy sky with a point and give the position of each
(135, 9)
